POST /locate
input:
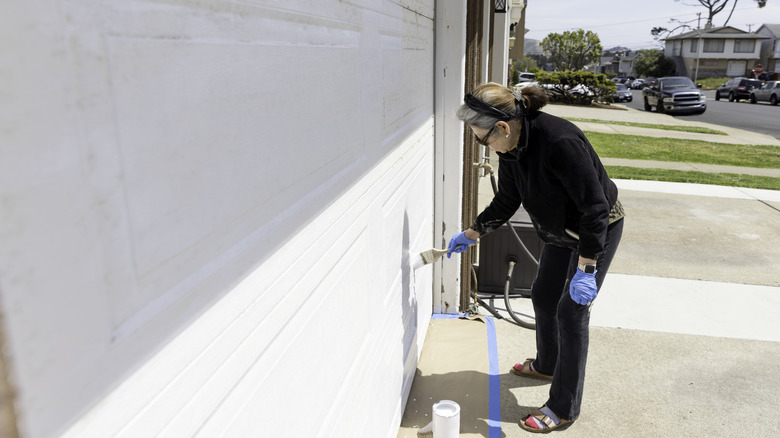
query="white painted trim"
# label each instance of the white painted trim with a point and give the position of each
(487, 5)
(450, 80)
(500, 59)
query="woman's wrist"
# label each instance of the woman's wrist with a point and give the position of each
(586, 261)
(471, 234)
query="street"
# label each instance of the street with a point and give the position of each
(761, 117)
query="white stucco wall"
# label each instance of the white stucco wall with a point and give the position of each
(208, 214)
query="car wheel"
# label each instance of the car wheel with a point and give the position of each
(752, 98)
(717, 95)
(731, 97)
(773, 100)
(647, 105)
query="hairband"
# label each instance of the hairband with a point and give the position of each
(491, 111)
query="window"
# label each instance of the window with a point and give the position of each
(744, 46)
(694, 46)
(714, 46)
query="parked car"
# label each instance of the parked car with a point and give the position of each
(649, 81)
(769, 92)
(623, 94)
(674, 94)
(737, 88)
(637, 84)
(523, 84)
(526, 77)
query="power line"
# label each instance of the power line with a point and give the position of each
(668, 17)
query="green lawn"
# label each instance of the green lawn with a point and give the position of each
(721, 179)
(684, 151)
(687, 151)
(697, 129)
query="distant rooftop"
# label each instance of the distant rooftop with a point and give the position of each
(717, 32)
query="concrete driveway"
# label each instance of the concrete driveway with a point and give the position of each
(685, 337)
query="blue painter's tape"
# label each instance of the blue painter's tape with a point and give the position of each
(494, 382)
(494, 398)
(447, 315)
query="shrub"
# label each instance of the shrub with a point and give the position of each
(577, 87)
(712, 83)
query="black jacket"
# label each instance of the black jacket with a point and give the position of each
(559, 179)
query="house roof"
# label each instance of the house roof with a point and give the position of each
(774, 29)
(722, 32)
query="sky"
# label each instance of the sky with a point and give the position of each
(628, 24)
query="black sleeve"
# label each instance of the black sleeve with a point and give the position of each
(573, 161)
(504, 204)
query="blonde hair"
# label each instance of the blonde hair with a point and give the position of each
(503, 99)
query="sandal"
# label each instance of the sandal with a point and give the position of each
(551, 426)
(524, 369)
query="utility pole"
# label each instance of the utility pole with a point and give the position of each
(699, 48)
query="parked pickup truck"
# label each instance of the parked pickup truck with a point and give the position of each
(674, 94)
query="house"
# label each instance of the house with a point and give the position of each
(621, 64)
(770, 47)
(210, 210)
(714, 52)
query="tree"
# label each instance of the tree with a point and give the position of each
(713, 8)
(541, 60)
(761, 4)
(716, 6)
(526, 64)
(576, 87)
(653, 63)
(572, 50)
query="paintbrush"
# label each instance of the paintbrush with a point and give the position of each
(428, 257)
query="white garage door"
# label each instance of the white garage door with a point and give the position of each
(736, 68)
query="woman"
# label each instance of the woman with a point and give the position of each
(548, 165)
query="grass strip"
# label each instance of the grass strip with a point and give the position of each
(696, 129)
(638, 147)
(721, 179)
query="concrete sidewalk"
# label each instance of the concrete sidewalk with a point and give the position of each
(685, 333)
(698, 167)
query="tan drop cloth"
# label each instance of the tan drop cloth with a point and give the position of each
(454, 365)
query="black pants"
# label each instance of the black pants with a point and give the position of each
(562, 324)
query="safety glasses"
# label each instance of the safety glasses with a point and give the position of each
(483, 141)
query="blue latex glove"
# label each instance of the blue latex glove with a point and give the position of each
(583, 287)
(459, 243)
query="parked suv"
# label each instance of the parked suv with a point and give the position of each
(769, 92)
(674, 94)
(736, 89)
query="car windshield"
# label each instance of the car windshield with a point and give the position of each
(621, 87)
(672, 83)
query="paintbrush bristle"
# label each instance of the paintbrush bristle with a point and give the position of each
(432, 255)
(418, 262)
